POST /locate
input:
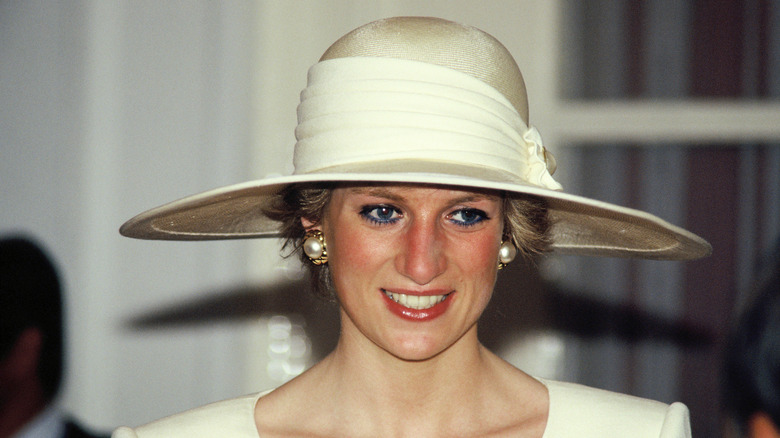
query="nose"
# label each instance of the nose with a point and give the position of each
(421, 255)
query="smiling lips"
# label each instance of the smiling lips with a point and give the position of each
(417, 307)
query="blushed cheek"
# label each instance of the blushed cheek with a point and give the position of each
(352, 259)
(483, 254)
(355, 251)
(483, 262)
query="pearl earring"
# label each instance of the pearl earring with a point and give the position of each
(506, 253)
(314, 247)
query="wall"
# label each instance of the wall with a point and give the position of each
(110, 108)
(107, 109)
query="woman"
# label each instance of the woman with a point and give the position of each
(417, 177)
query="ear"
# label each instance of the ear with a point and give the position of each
(309, 225)
(760, 425)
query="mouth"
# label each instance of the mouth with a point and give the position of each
(416, 302)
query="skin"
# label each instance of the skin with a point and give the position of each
(761, 425)
(395, 376)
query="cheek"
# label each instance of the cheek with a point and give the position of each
(351, 254)
(478, 267)
(479, 255)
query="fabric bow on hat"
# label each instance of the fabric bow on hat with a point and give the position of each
(541, 162)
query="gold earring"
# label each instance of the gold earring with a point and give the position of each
(506, 253)
(314, 247)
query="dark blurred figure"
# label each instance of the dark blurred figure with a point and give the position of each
(752, 369)
(31, 344)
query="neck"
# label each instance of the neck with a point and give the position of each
(361, 389)
(382, 388)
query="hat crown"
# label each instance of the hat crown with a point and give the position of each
(440, 42)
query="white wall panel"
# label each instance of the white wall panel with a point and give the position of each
(109, 108)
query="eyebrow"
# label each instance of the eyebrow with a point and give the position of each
(379, 192)
(382, 192)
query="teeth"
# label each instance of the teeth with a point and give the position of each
(415, 301)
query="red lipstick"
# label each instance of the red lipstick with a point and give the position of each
(418, 315)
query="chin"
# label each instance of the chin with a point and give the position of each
(417, 350)
(417, 356)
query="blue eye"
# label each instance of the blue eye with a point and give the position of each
(380, 214)
(468, 216)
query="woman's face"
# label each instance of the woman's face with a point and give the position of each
(413, 266)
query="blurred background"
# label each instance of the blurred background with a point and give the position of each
(108, 108)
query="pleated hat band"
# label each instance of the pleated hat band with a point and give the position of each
(364, 110)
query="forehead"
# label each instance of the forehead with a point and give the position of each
(401, 191)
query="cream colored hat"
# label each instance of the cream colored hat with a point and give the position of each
(421, 100)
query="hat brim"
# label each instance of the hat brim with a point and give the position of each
(580, 225)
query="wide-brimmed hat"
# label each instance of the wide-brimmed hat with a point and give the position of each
(429, 101)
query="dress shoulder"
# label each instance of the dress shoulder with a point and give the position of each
(584, 412)
(232, 418)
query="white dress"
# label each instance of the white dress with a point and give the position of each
(575, 411)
